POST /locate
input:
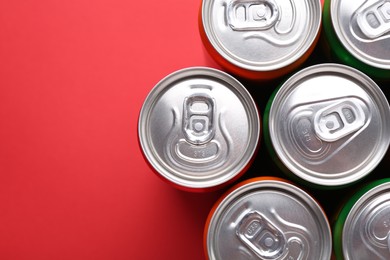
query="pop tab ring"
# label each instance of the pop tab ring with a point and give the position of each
(341, 119)
(265, 238)
(373, 18)
(247, 15)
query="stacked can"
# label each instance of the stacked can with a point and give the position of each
(267, 218)
(199, 129)
(358, 33)
(328, 125)
(362, 229)
(260, 39)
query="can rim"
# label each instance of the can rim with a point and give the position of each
(309, 175)
(245, 187)
(170, 174)
(348, 45)
(259, 66)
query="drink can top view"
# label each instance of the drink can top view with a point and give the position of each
(362, 229)
(267, 218)
(358, 32)
(328, 125)
(199, 129)
(260, 39)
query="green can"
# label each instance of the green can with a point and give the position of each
(327, 126)
(358, 34)
(362, 228)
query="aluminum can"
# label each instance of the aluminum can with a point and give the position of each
(260, 39)
(267, 218)
(328, 125)
(199, 129)
(362, 229)
(358, 34)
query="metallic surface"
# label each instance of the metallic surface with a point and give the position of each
(268, 219)
(199, 128)
(330, 125)
(363, 27)
(261, 35)
(366, 233)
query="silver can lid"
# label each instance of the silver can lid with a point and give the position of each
(261, 35)
(268, 219)
(366, 232)
(363, 27)
(330, 124)
(199, 128)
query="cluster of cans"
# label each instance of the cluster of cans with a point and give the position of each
(327, 126)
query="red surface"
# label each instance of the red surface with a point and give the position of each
(73, 183)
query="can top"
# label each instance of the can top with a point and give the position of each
(199, 127)
(261, 35)
(330, 124)
(268, 219)
(366, 232)
(363, 27)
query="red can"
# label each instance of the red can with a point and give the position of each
(260, 39)
(267, 218)
(199, 129)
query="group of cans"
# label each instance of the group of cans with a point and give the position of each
(327, 126)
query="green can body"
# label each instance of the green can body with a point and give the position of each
(362, 217)
(370, 54)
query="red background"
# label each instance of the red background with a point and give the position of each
(73, 182)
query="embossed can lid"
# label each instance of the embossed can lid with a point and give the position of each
(330, 124)
(366, 232)
(363, 27)
(268, 219)
(199, 128)
(261, 35)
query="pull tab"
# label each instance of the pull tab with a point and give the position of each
(244, 15)
(339, 120)
(198, 119)
(374, 20)
(261, 235)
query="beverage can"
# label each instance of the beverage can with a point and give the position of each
(267, 218)
(260, 39)
(358, 33)
(362, 228)
(199, 129)
(328, 125)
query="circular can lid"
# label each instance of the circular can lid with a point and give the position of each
(366, 232)
(330, 124)
(261, 35)
(268, 219)
(363, 27)
(199, 128)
